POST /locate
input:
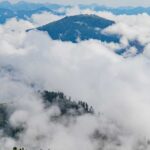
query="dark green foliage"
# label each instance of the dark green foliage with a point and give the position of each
(3, 115)
(66, 105)
(51, 96)
(15, 148)
(13, 132)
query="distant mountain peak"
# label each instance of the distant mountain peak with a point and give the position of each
(83, 27)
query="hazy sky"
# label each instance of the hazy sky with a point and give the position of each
(102, 2)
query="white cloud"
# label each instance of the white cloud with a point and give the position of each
(89, 70)
(101, 2)
(44, 18)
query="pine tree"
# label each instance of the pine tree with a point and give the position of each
(14, 148)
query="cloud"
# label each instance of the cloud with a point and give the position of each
(101, 2)
(127, 26)
(117, 87)
(44, 18)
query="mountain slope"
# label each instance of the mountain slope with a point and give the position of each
(117, 10)
(28, 6)
(67, 107)
(81, 27)
(6, 14)
(24, 10)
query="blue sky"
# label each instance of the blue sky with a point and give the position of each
(102, 2)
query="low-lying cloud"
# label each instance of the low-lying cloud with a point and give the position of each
(117, 87)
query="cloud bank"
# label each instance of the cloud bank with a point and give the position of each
(117, 87)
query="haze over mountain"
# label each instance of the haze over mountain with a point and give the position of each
(24, 10)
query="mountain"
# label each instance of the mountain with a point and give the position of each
(22, 5)
(79, 27)
(24, 10)
(5, 5)
(84, 27)
(6, 14)
(73, 28)
(117, 10)
(67, 106)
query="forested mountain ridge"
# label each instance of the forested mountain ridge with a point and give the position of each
(67, 107)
